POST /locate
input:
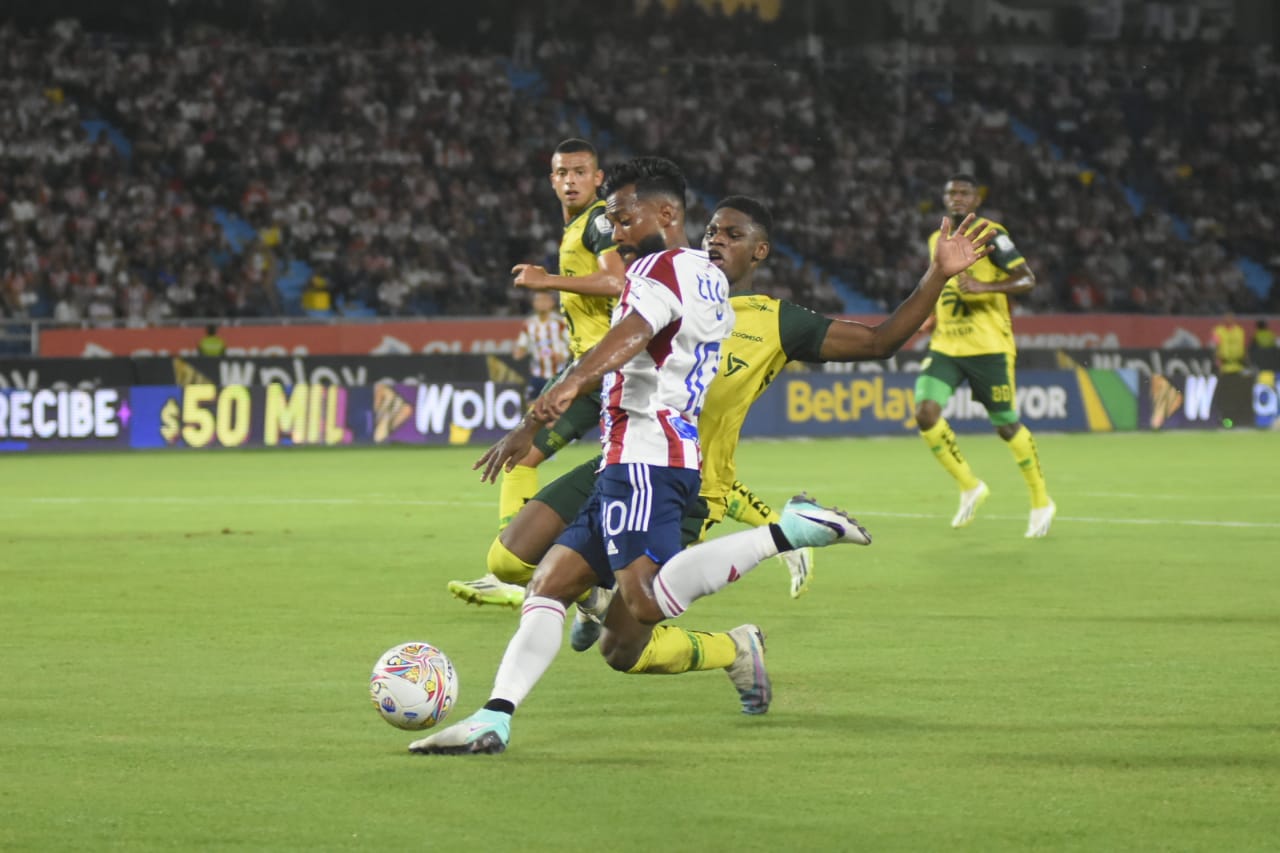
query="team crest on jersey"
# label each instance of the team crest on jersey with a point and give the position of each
(603, 225)
(1003, 243)
(683, 428)
(733, 364)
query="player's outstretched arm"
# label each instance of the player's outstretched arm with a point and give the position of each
(956, 252)
(619, 345)
(608, 280)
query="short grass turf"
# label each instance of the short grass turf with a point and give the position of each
(185, 641)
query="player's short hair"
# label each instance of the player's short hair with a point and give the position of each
(759, 214)
(574, 145)
(649, 175)
(964, 177)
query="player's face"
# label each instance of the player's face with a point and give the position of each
(960, 199)
(575, 178)
(733, 243)
(544, 302)
(637, 223)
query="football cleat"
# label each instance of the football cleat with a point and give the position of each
(807, 524)
(1041, 518)
(589, 618)
(488, 590)
(800, 564)
(969, 503)
(483, 733)
(747, 671)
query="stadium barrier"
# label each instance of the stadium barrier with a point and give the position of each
(348, 370)
(61, 373)
(475, 399)
(405, 337)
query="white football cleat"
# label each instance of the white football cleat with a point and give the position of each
(799, 564)
(484, 732)
(1041, 518)
(747, 672)
(807, 524)
(969, 503)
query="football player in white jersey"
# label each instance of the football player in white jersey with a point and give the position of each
(653, 367)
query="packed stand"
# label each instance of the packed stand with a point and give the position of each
(854, 172)
(1192, 128)
(400, 173)
(408, 177)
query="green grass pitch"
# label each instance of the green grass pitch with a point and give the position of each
(185, 641)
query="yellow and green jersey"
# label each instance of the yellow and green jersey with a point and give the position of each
(1229, 347)
(587, 236)
(977, 323)
(767, 333)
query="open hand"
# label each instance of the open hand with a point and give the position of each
(504, 455)
(957, 251)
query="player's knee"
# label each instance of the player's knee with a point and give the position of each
(1008, 431)
(927, 413)
(506, 566)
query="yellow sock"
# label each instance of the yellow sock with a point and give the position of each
(518, 485)
(1023, 447)
(674, 650)
(742, 505)
(942, 441)
(506, 566)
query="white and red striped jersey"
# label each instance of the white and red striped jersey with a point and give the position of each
(650, 407)
(547, 342)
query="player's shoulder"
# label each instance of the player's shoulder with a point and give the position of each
(598, 219)
(755, 303)
(982, 223)
(671, 262)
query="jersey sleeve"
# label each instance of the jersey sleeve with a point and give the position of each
(652, 300)
(801, 332)
(598, 235)
(1004, 254)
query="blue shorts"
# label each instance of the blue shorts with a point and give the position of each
(635, 510)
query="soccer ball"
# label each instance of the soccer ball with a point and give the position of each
(413, 686)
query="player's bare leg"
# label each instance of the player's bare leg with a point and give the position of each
(631, 647)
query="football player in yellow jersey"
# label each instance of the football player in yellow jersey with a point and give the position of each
(590, 279)
(767, 334)
(973, 341)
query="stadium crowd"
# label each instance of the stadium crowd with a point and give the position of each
(405, 177)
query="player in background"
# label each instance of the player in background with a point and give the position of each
(705, 568)
(590, 280)
(972, 340)
(1227, 338)
(544, 340)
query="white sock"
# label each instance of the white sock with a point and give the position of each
(710, 567)
(531, 650)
